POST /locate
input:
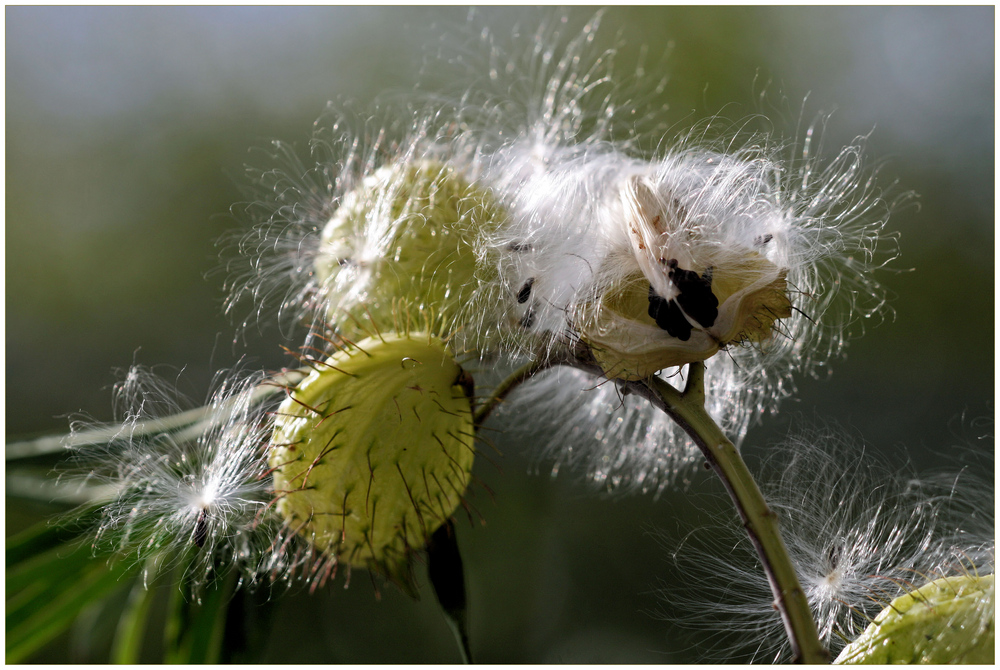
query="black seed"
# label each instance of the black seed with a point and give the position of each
(668, 316)
(201, 529)
(763, 239)
(694, 300)
(677, 325)
(528, 319)
(525, 292)
(519, 247)
(696, 297)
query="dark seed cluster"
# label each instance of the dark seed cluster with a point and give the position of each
(695, 301)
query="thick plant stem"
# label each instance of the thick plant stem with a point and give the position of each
(688, 410)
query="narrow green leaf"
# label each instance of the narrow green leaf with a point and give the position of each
(47, 535)
(209, 623)
(27, 635)
(173, 627)
(196, 624)
(129, 635)
(56, 564)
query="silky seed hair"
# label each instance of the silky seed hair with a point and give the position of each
(461, 124)
(183, 485)
(860, 532)
(273, 266)
(182, 490)
(549, 127)
(558, 164)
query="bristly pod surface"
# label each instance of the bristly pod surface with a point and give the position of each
(409, 232)
(373, 451)
(948, 620)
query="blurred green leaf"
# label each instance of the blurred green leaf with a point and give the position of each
(52, 576)
(52, 591)
(47, 535)
(196, 623)
(132, 624)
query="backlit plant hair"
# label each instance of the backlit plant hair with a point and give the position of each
(185, 484)
(390, 213)
(861, 534)
(355, 459)
(777, 240)
(678, 283)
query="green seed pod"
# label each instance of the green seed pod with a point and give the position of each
(949, 620)
(373, 451)
(409, 233)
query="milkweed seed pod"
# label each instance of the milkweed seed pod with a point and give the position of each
(373, 451)
(948, 620)
(656, 259)
(761, 248)
(387, 216)
(529, 213)
(697, 289)
(408, 233)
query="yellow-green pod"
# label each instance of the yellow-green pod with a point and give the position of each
(948, 620)
(407, 234)
(373, 451)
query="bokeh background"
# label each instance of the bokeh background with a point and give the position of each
(128, 133)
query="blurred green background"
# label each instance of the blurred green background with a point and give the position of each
(128, 131)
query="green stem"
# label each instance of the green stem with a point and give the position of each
(522, 374)
(688, 410)
(56, 443)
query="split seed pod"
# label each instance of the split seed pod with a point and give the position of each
(692, 296)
